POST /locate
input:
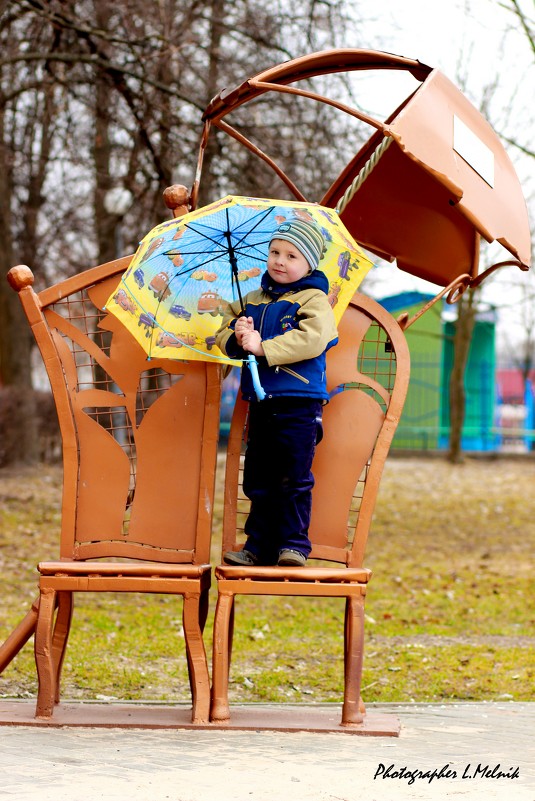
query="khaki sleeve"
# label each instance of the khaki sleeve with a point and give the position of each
(317, 328)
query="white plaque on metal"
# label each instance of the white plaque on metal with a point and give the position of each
(473, 150)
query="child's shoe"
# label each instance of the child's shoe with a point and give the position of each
(243, 558)
(290, 558)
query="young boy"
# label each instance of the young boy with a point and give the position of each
(288, 325)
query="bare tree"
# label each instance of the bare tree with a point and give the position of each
(462, 340)
(504, 111)
(96, 96)
(523, 23)
(28, 108)
(518, 348)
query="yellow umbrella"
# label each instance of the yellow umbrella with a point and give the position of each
(172, 296)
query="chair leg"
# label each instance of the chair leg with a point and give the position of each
(223, 625)
(197, 661)
(44, 657)
(353, 659)
(19, 636)
(204, 606)
(62, 629)
(230, 635)
(203, 615)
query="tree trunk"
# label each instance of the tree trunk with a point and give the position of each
(15, 336)
(217, 13)
(464, 329)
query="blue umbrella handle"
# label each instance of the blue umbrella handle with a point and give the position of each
(253, 367)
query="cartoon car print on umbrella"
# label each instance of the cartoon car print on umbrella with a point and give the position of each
(139, 278)
(204, 275)
(252, 272)
(154, 245)
(344, 263)
(148, 322)
(179, 311)
(165, 340)
(124, 301)
(176, 257)
(160, 286)
(334, 291)
(210, 303)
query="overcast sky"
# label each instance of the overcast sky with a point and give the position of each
(438, 31)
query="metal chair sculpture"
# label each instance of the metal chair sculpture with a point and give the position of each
(434, 168)
(367, 376)
(139, 452)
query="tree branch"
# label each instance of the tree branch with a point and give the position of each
(94, 60)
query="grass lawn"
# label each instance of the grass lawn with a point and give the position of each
(450, 611)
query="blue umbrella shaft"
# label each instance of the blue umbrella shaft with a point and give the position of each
(253, 367)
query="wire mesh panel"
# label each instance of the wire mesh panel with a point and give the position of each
(133, 427)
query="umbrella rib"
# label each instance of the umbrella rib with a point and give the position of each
(261, 217)
(233, 263)
(260, 220)
(231, 250)
(145, 310)
(156, 323)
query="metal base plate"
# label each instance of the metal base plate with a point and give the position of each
(258, 717)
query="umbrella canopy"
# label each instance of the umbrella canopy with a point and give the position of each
(445, 182)
(173, 295)
(432, 179)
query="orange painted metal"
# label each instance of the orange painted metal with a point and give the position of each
(139, 453)
(444, 182)
(370, 368)
(255, 717)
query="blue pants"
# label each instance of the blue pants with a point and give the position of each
(277, 478)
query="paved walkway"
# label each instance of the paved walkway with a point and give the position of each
(477, 752)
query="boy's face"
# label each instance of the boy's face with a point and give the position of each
(286, 263)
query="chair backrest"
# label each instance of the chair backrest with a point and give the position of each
(139, 437)
(367, 378)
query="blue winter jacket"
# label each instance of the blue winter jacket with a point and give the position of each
(297, 327)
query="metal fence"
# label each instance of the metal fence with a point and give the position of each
(491, 425)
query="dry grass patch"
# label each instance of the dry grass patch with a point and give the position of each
(450, 608)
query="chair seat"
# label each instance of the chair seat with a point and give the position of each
(314, 575)
(152, 569)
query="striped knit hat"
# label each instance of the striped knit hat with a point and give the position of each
(307, 238)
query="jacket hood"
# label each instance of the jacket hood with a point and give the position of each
(314, 280)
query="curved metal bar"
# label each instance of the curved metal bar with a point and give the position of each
(194, 194)
(310, 66)
(260, 153)
(508, 263)
(454, 290)
(277, 79)
(275, 87)
(457, 288)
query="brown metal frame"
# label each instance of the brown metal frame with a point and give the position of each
(422, 204)
(370, 369)
(278, 78)
(139, 455)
